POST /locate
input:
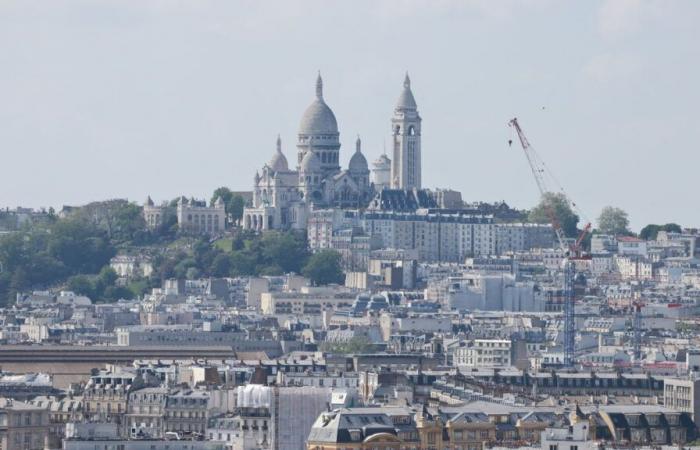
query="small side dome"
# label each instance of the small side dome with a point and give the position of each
(278, 162)
(358, 162)
(219, 202)
(310, 163)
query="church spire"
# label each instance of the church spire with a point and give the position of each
(279, 144)
(358, 145)
(407, 81)
(319, 86)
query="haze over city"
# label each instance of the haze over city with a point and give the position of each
(119, 99)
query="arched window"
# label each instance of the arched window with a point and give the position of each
(411, 131)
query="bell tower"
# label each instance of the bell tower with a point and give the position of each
(406, 132)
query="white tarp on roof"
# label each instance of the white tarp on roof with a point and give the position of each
(253, 396)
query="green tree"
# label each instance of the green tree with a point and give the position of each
(80, 246)
(235, 207)
(192, 273)
(105, 279)
(234, 203)
(556, 204)
(650, 231)
(672, 228)
(83, 285)
(120, 220)
(286, 250)
(223, 192)
(114, 293)
(324, 268)
(221, 266)
(613, 221)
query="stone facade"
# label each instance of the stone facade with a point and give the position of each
(283, 197)
(193, 216)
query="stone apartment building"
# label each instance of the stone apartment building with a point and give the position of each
(484, 353)
(145, 413)
(186, 411)
(23, 426)
(398, 428)
(106, 394)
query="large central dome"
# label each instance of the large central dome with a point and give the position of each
(318, 117)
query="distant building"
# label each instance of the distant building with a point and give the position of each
(283, 196)
(631, 246)
(197, 218)
(484, 353)
(381, 173)
(131, 266)
(193, 216)
(683, 395)
(23, 426)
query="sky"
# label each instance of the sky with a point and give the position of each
(129, 98)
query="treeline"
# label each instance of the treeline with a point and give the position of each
(74, 251)
(246, 254)
(249, 254)
(40, 258)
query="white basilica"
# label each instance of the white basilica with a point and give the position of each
(283, 198)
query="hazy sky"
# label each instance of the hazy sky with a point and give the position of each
(119, 98)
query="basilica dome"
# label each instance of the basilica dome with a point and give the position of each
(278, 162)
(318, 117)
(358, 162)
(310, 163)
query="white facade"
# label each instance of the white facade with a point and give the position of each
(284, 197)
(381, 173)
(484, 353)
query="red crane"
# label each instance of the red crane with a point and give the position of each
(541, 174)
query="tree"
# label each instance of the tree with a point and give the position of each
(121, 220)
(221, 266)
(235, 206)
(613, 221)
(105, 279)
(234, 203)
(80, 246)
(557, 204)
(672, 228)
(324, 268)
(650, 231)
(223, 192)
(286, 250)
(82, 285)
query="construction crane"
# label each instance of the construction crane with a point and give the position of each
(571, 251)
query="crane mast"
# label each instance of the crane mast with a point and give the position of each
(539, 171)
